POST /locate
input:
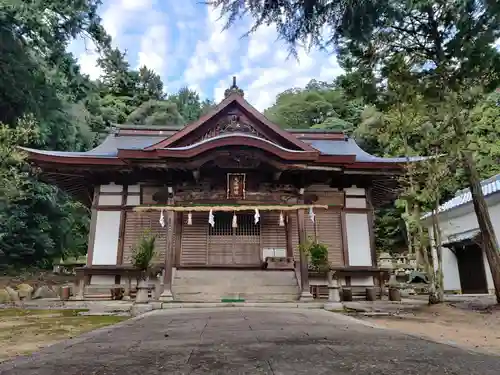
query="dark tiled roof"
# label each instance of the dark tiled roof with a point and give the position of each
(350, 147)
(133, 141)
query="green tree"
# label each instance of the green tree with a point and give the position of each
(189, 104)
(156, 112)
(319, 105)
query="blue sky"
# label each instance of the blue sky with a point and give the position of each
(184, 42)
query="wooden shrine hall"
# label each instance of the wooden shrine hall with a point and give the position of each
(229, 197)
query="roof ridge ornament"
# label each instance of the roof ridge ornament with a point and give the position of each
(234, 89)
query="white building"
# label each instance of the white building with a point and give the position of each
(465, 266)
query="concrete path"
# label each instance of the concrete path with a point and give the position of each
(249, 341)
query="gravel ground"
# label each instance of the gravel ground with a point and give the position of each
(472, 324)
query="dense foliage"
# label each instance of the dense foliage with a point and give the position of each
(46, 102)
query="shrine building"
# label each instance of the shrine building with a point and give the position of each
(229, 197)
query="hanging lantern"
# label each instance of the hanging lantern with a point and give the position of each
(256, 217)
(211, 219)
(235, 221)
(190, 218)
(162, 219)
(282, 219)
(312, 215)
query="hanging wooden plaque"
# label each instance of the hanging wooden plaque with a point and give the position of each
(236, 186)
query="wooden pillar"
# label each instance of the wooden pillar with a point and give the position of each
(166, 295)
(288, 231)
(93, 226)
(178, 237)
(305, 294)
(121, 233)
(371, 226)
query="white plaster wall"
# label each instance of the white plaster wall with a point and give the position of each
(111, 188)
(316, 281)
(465, 219)
(355, 191)
(110, 200)
(102, 280)
(106, 238)
(489, 277)
(451, 277)
(134, 188)
(133, 200)
(358, 239)
(362, 281)
(355, 203)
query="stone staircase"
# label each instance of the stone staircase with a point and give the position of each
(248, 285)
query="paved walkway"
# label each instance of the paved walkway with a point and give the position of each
(249, 341)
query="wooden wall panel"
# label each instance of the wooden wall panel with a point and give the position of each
(135, 225)
(194, 240)
(272, 235)
(328, 231)
(295, 236)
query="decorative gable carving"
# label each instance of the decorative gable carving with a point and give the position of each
(231, 123)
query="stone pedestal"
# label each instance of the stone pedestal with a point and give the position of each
(394, 295)
(128, 288)
(158, 288)
(166, 295)
(370, 294)
(142, 292)
(306, 296)
(80, 290)
(333, 302)
(347, 294)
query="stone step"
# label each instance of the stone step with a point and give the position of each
(236, 289)
(250, 285)
(184, 297)
(231, 273)
(230, 283)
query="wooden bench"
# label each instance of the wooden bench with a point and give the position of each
(380, 274)
(120, 272)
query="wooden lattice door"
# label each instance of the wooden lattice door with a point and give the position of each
(234, 246)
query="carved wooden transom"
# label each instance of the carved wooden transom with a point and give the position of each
(232, 123)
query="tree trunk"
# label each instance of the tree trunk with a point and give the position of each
(423, 256)
(409, 234)
(490, 244)
(438, 293)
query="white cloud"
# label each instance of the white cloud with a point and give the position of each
(212, 54)
(287, 72)
(88, 64)
(154, 48)
(260, 40)
(115, 18)
(119, 13)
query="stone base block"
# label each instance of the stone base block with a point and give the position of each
(333, 306)
(306, 296)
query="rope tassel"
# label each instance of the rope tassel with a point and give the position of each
(312, 215)
(162, 219)
(282, 219)
(211, 218)
(256, 217)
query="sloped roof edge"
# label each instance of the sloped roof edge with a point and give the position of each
(489, 186)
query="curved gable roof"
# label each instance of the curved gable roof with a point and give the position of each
(233, 98)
